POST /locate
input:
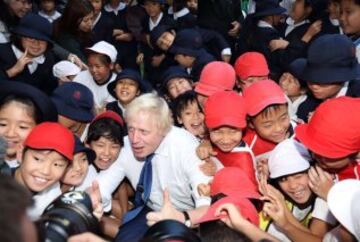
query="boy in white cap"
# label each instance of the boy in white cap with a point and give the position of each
(65, 71)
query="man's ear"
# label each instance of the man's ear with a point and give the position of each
(19, 153)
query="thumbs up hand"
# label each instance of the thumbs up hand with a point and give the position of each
(166, 212)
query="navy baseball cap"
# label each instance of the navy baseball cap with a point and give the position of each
(131, 74)
(34, 26)
(80, 147)
(187, 42)
(331, 59)
(74, 101)
(42, 102)
(174, 72)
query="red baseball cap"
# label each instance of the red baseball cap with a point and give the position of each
(225, 108)
(262, 94)
(247, 209)
(216, 76)
(52, 136)
(251, 64)
(110, 114)
(233, 181)
(334, 129)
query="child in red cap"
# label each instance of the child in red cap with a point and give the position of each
(47, 152)
(336, 151)
(225, 116)
(216, 76)
(250, 67)
(269, 121)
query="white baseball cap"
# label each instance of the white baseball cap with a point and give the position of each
(65, 68)
(343, 199)
(105, 48)
(288, 157)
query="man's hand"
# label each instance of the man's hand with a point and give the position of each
(166, 212)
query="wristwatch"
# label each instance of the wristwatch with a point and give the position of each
(187, 219)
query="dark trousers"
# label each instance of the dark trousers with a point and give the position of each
(135, 229)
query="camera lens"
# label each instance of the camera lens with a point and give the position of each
(68, 215)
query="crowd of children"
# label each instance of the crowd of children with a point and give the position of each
(272, 100)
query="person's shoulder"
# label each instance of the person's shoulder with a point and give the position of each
(180, 136)
(84, 77)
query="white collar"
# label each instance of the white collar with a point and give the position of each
(291, 25)
(121, 106)
(343, 90)
(152, 24)
(96, 20)
(170, 10)
(32, 66)
(109, 8)
(181, 13)
(263, 24)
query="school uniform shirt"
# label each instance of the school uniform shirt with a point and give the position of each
(241, 157)
(108, 8)
(42, 200)
(293, 106)
(51, 18)
(175, 166)
(102, 28)
(184, 19)
(37, 73)
(278, 60)
(100, 92)
(260, 147)
(302, 215)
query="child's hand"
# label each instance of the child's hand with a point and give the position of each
(77, 61)
(320, 181)
(205, 150)
(204, 189)
(313, 30)
(117, 32)
(209, 167)
(276, 44)
(95, 195)
(19, 65)
(234, 219)
(139, 58)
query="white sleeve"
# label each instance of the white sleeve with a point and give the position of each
(109, 180)
(191, 165)
(322, 212)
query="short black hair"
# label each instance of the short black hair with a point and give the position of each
(31, 109)
(217, 230)
(107, 128)
(181, 102)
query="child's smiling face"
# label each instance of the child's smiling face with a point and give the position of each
(350, 17)
(126, 90)
(192, 119)
(226, 138)
(40, 169)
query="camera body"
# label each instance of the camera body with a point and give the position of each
(69, 214)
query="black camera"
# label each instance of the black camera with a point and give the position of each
(69, 214)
